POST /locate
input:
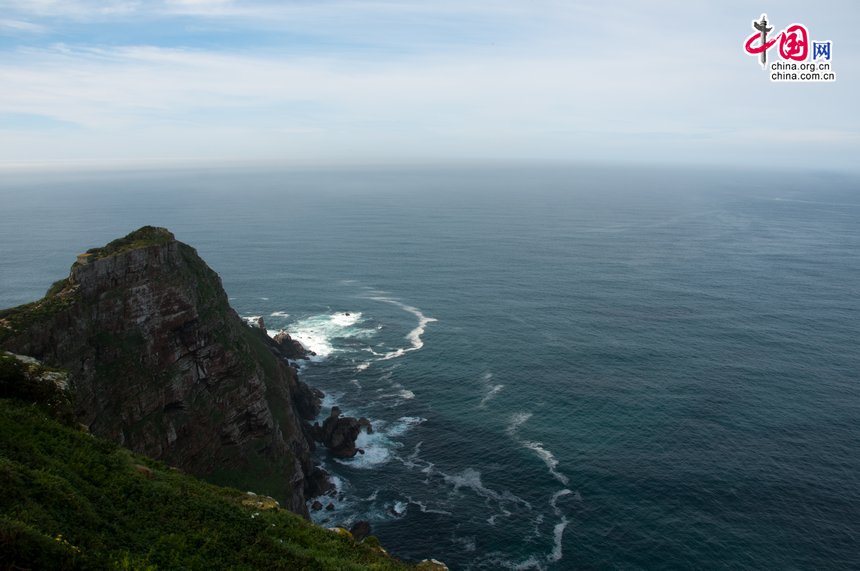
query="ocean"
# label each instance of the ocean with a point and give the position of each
(565, 367)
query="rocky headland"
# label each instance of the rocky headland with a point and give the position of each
(159, 363)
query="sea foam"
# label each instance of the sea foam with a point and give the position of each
(413, 336)
(494, 390)
(378, 447)
(318, 332)
(517, 420)
(549, 460)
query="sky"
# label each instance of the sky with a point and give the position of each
(315, 82)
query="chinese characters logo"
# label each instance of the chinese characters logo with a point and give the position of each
(795, 49)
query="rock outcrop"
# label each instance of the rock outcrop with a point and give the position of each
(360, 530)
(339, 433)
(160, 363)
(290, 348)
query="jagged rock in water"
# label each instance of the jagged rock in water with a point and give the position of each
(160, 363)
(260, 323)
(319, 483)
(364, 423)
(290, 348)
(339, 433)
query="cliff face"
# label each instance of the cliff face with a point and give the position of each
(160, 363)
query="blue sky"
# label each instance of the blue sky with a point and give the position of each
(389, 82)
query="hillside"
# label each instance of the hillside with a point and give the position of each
(74, 501)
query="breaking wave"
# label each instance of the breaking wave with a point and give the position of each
(318, 332)
(517, 420)
(549, 460)
(494, 390)
(413, 336)
(379, 447)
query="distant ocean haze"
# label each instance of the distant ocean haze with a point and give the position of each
(564, 368)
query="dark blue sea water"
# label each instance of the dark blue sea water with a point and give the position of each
(566, 368)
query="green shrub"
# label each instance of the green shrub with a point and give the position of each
(73, 501)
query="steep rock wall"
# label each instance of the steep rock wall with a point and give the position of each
(161, 364)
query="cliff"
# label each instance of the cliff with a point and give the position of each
(158, 362)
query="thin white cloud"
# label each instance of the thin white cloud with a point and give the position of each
(21, 26)
(395, 79)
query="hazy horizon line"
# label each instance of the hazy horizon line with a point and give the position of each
(186, 164)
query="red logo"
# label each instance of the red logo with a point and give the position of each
(793, 41)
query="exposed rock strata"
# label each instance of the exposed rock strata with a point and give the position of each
(161, 364)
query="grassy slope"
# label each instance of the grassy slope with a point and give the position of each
(73, 501)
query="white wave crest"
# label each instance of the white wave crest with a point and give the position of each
(558, 530)
(555, 554)
(413, 336)
(404, 424)
(553, 502)
(317, 333)
(549, 460)
(517, 420)
(557, 533)
(494, 390)
(404, 394)
(530, 563)
(378, 447)
(399, 508)
(471, 479)
(467, 543)
(427, 510)
(282, 314)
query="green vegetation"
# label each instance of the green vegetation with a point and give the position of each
(57, 287)
(34, 382)
(73, 501)
(15, 319)
(140, 238)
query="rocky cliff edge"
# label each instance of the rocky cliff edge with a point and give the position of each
(160, 363)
